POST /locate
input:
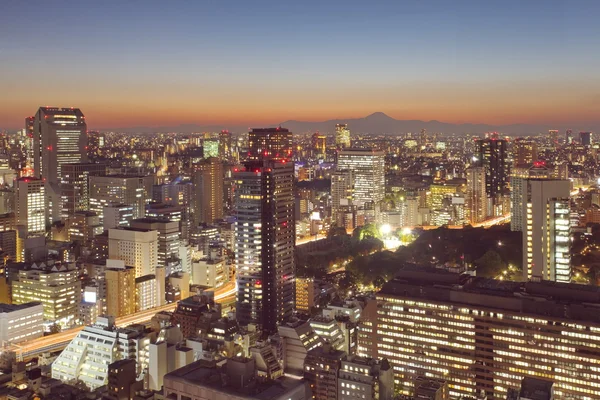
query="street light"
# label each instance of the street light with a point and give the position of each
(385, 229)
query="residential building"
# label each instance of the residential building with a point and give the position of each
(264, 243)
(476, 198)
(305, 294)
(365, 378)
(120, 290)
(321, 368)
(208, 191)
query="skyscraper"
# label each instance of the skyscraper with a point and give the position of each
(492, 156)
(264, 243)
(30, 205)
(342, 188)
(319, 144)
(269, 143)
(569, 136)
(368, 168)
(75, 188)
(342, 136)
(525, 152)
(553, 134)
(30, 131)
(208, 191)
(545, 210)
(476, 199)
(225, 148)
(133, 191)
(585, 138)
(60, 137)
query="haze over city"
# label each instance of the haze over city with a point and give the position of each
(157, 63)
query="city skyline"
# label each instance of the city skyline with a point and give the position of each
(154, 65)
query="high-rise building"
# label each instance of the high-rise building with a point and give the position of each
(483, 336)
(60, 137)
(525, 152)
(173, 194)
(169, 240)
(585, 138)
(321, 368)
(368, 169)
(319, 144)
(269, 143)
(133, 191)
(75, 189)
(342, 191)
(476, 199)
(553, 135)
(545, 210)
(56, 286)
(30, 205)
(569, 136)
(30, 131)
(360, 376)
(208, 191)
(138, 248)
(492, 155)
(342, 136)
(517, 177)
(120, 291)
(264, 243)
(83, 226)
(117, 216)
(225, 145)
(305, 295)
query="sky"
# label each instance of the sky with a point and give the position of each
(156, 63)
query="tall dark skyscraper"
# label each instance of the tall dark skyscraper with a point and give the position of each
(60, 137)
(585, 138)
(492, 156)
(264, 243)
(269, 143)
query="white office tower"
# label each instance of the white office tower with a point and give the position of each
(517, 177)
(368, 168)
(59, 137)
(546, 234)
(87, 357)
(138, 248)
(30, 205)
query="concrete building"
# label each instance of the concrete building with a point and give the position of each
(59, 138)
(169, 240)
(21, 322)
(342, 192)
(120, 290)
(31, 209)
(83, 226)
(117, 216)
(306, 294)
(56, 285)
(328, 330)
(208, 191)
(365, 378)
(483, 335)
(234, 379)
(146, 293)
(476, 197)
(75, 188)
(138, 248)
(342, 136)
(321, 368)
(88, 356)
(122, 380)
(209, 272)
(134, 191)
(297, 339)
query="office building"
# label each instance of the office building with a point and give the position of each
(342, 136)
(225, 145)
(75, 189)
(120, 290)
(264, 243)
(173, 194)
(169, 240)
(133, 191)
(83, 226)
(585, 138)
(553, 136)
(208, 191)
(342, 191)
(57, 286)
(117, 216)
(525, 152)
(211, 272)
(365, 378)
(545, 210)
(438, 192)
(146, 293)
(269, 143)
(30, 206)
(476, 198)
(59, 138)
(483, 336)
(235, 378)
(88, 356)
(21, 322)
(138, 248)
(569, 136)
(368, 169)
(319, 144)
(518, 177)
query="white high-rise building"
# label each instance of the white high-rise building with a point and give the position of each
(138, 248)
(89, 354)
(31, 211)
(546, 233)
(117, 216)
(368, 168)
(21, 322)
(59, 137)
(517, 179)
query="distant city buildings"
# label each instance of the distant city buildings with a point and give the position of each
(342, 136)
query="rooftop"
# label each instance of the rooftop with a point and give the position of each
(6, 308)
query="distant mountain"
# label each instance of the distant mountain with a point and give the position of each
(376, 123)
